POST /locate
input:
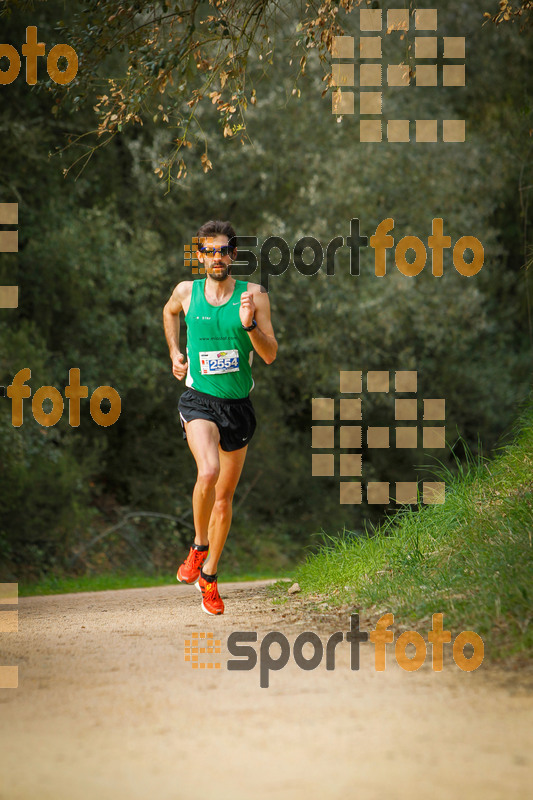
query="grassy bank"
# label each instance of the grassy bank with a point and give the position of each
(470, 558)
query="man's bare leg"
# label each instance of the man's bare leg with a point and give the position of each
(231, 465)
(218, 475)
(203, 439)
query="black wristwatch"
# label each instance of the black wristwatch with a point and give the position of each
(250, 327)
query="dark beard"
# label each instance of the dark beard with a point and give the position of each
(220, 277)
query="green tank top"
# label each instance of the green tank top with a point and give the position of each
(219, 350)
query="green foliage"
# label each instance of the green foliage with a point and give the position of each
(101, 250)
(45, 499)
(167, 60)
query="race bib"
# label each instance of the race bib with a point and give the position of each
(218, 362)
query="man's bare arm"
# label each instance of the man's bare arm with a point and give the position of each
(256, 305)
(171, 323)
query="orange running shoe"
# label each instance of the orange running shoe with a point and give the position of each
(189, 571)
(211, 601)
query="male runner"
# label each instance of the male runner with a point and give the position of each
(227, 320)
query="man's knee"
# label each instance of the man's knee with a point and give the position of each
(223, 503)
(208, 475)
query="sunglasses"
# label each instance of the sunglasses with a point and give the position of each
(225, 250)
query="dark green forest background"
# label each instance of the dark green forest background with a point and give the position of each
(101, 248)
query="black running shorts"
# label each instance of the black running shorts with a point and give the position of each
(235, 419)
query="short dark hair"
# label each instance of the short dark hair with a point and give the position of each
(217, 226)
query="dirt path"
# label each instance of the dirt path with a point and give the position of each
(107, 707)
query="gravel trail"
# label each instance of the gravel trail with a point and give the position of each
(108, 707)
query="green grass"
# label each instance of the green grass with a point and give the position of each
(470, 558)
(127, 580)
